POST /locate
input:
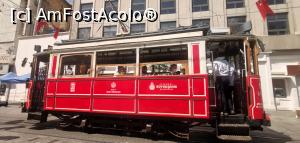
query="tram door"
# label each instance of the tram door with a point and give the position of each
(254, 97)
(233, 53)
(37, 85)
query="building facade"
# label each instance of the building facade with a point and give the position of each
(18, 41)
(7, 36)
(279, 32)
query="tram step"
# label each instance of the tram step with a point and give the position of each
(234, 129)
(233, 119)
(201, 133)
(235, 138)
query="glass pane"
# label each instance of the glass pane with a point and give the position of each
(109, 31)
(235, 4)
(137, 28)
(200, 5)
(167, 6)
(167, 25)
(116, 63)
(76, 65)
(84, 33)
(236, 21)
(278, 24)
(201, 22)
(164, 61)
(138, 5)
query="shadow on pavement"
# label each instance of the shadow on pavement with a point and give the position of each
(8, 138)
(267, 136)
(270, 136)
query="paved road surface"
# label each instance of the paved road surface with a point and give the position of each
(15, 128)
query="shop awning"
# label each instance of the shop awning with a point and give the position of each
(13, 78)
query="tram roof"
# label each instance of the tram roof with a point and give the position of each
(204, 36)
(183, 29)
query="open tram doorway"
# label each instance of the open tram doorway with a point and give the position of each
(226, 68)
(37, 82)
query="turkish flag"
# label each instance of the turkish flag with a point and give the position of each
(56, 31)
(264, 8)
(40, 25)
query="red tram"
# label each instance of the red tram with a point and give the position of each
(156, 82)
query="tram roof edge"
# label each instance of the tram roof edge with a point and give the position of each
(138, 35)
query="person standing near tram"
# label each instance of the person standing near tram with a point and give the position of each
(224, 72)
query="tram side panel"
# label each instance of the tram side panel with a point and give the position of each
(180, 96)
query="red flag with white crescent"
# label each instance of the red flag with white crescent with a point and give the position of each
(264, 8)
(40, 25)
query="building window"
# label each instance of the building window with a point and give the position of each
(167, 6)
(273, 2)
(201, 22)
(111, 5)
(236, 21)
(278, 24)
(109, 31)
(137, 28)
(199, 5)
(279, 88)
(235, 3)
(84, 33)
(138, 5)
(168, 25)
(86, 7)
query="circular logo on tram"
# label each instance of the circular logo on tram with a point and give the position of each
(113, 85)
(152, 86)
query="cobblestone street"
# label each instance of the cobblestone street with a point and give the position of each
(15, 128)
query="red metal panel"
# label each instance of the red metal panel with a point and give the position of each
(199, 86)
(114, 105)
(74, 87)
(49, 103)
(196, 58)
(166, 86)
(120, 87)
(158, 96)
(51, 86)
(256, 111)
(200, 108)
(69, 103)
(164, 107)
(54, 63)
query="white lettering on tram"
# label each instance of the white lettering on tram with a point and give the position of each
(72, 87)
(163, 86)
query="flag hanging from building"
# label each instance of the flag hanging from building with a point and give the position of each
(264, 8)
(42, 24)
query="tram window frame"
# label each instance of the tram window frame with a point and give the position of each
(121, 64)
(252, 57)
(74, 67)
(164, 65)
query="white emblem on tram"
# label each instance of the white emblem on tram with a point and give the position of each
(152, 86)
(72, 87)
(113, 85)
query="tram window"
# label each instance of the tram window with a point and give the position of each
(116, 63)
(76, 65)
(164, 61)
